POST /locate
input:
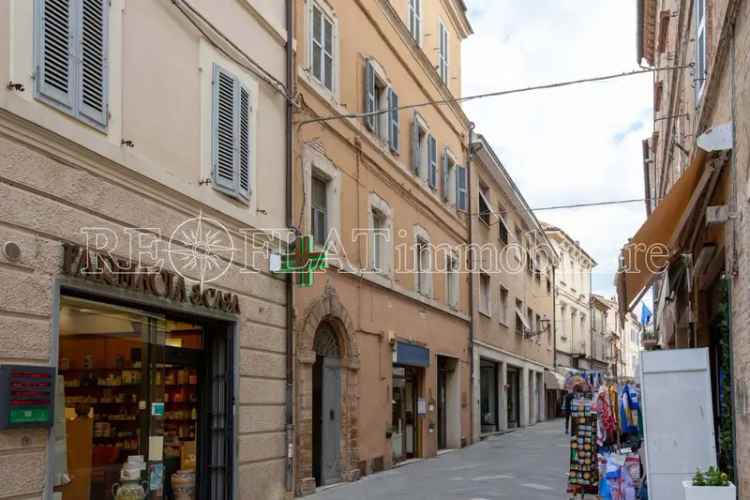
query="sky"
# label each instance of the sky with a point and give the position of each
(568, 145)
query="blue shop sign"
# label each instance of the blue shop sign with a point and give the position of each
(412, 355)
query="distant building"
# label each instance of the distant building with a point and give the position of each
(513, 337)
(572, 300)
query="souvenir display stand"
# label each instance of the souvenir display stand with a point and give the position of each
(606, 437)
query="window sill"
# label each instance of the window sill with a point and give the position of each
(485, 314)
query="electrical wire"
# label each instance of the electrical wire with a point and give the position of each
(436, 102)
(256, 68)
(500, 213)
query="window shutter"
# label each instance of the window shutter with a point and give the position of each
(444, 181)
(92, 53)
(415, 156)
(224, 131)
(244, 142)
(55, 57)
(432, 161)
(369, 94)
(393, 125)
(461, 188)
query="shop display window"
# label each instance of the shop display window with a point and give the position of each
(136, 394)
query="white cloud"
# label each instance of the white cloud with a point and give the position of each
(573, 144)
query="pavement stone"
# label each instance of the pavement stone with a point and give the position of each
(527, 464)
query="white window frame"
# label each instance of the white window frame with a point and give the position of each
(485, 217)
(416, 14)
(316, 163)
(325, 180)
(422, 274)
(452, 274)
(379, 207)
(443, 52)
(448, 176)
(330, 14)
(701, 49)
(503, 297)
(420, 138)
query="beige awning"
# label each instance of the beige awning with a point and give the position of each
(523, 319)
(654, 245)
(554, 381)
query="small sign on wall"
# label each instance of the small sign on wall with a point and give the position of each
(27, 396)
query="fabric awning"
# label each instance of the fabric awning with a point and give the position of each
(653, 246)
(554, 381)
(523, 319)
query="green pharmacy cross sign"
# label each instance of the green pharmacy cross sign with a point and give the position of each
(304, 262)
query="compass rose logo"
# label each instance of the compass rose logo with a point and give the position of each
(201, 248)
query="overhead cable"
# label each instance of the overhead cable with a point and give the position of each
(436, 102)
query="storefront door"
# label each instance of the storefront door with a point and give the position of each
(488, 395)
(512, 396)
(442, 403)
(404, 414)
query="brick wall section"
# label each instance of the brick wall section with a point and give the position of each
(741, 284)
(43, 202)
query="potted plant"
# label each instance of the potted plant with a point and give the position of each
(709, 485)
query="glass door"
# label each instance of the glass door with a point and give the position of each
(132, 397)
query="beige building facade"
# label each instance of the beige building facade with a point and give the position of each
(513, 338)
(572, 300)
(141, 146)
(382, 370)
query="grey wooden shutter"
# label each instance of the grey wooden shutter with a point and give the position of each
(393, 124)
(432, 161)
(224, 150)
(92, 55)
(245, 104)
(369, 94)
(415, 153)
(444, 181)
(461, 192)
(55, 70)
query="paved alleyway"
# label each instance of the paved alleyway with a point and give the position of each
(526, 464)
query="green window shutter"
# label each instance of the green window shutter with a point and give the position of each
(415, 152)
(92, 52)
(369, 93)
(393, 124)
(55, 32)
(224, 131)
(244, 166)
(432, 161)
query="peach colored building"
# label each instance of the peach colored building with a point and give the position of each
(382, 369)
(134, 136)
(513, 341)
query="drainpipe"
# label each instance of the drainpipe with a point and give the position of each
(290, 90)
(472, 323)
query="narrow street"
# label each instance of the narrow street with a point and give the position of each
(527, 464)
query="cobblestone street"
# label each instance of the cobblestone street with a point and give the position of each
(526, 464)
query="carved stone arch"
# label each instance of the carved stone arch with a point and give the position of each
(329, 308)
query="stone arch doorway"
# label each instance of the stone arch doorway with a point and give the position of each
(326, 429)
(326, 348)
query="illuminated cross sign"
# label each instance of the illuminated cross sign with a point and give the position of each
(304, 262)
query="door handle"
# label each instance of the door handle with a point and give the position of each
(332, 415)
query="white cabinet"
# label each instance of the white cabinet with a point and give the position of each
(678, 418)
